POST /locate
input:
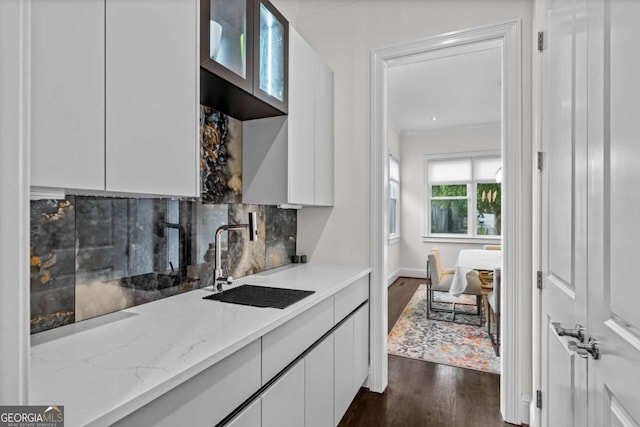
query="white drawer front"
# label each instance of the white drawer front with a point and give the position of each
(207, 398)
(282, 345)
(350, 298)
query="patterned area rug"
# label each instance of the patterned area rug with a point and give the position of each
(437, 341)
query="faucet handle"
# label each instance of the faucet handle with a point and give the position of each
(223, 281)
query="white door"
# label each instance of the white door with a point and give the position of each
(614, 203)
(563, 215)
(590, 191)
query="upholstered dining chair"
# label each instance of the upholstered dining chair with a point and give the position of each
(439, 280)
(493, 303)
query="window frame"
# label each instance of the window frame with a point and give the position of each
(472, 201)
(394, 236)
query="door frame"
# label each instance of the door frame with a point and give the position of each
(539, 24)
(514, 402)
(14, 207)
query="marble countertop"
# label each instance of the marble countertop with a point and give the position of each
(105, 368)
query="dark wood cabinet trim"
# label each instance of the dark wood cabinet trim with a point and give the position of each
(214, 67)
(226, 91)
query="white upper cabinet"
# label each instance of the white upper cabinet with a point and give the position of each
(67, 94)
(115, 96)
(301, 120)
(152, 95)
(324, 125)
(289, 160)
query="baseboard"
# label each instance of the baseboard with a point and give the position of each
(392, 278)
(418, 273)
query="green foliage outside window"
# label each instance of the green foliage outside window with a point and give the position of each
(449, 214)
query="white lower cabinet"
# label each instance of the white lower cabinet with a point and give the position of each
(361, 346)
(207, 398)
(351, 358)
(318, 385)
(343, 374)
(316, 391)
(283, 403)
(282, 345)
(251, 416)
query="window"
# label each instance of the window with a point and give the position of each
(462, 197)
(394, 198)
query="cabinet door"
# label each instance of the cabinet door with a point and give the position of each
(318, 385)
(361, 346)
(251, 416)
(301, 121)
(67, 94)
(283, 402)
(271, 50)
(152, 91)
(324, 135)
(226, 43)
(344, 375)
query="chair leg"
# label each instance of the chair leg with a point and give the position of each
(429, 297)
(497, 346)
(495, 339)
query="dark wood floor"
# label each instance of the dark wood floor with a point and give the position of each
(400, 293)
(423, 393)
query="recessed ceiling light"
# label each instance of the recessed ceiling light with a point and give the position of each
(434, 118)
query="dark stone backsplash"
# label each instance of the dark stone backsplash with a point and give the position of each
(220, 157)
(95, 255)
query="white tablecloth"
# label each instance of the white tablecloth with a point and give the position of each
(473, 259)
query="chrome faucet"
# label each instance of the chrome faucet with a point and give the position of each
(218, 276)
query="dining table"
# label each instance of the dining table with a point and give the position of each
(473, 259)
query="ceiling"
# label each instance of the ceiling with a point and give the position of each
(459, 90)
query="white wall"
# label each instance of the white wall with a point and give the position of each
(393, 252)
(413, 147)
(344, 33)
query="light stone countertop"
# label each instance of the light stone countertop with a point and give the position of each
(105, 368)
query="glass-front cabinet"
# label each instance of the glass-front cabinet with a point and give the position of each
(244, 58)
(271, 41)
(230, 26)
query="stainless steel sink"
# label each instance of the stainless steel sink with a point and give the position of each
(261, 296)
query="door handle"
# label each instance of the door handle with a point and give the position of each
(578, 332)
(585, 349)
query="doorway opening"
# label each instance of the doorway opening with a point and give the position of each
(444, 143)
(505, 38)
